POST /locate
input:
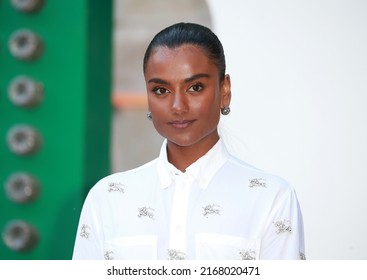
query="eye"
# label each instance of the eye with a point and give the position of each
(160, 91)
(196, 88)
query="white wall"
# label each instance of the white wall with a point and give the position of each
(299, 85)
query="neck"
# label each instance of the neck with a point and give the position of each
(183, 156)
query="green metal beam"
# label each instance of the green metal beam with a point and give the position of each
(73, 117)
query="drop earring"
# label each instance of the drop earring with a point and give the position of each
(225, 111)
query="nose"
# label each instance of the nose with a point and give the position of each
(179, 103)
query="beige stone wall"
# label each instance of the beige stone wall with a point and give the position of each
(134, 140)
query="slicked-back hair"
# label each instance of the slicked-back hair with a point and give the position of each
(193, 34)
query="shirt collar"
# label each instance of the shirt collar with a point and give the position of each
(201, 171)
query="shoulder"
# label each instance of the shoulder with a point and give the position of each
(134, 177)
(256, 178)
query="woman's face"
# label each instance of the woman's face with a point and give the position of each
(185, 95)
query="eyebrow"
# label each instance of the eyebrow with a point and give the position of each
(158, 81)
(187, 80)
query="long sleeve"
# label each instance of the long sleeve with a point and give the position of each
(89, 238)
(284, 236)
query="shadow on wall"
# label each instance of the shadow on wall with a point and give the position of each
(134, 139)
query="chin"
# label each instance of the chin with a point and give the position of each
(182, 142)
(187, 141)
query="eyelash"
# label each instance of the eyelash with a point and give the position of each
(157, 90)
(201, 87)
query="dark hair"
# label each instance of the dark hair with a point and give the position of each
(189, 33)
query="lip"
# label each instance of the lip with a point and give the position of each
(181, 123)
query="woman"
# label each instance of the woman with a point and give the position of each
(195, 201)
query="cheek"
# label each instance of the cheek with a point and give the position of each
(154, 105)
(210, 105)
(159, 112)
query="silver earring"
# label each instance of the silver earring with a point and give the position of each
(225, 111)
(149, 116)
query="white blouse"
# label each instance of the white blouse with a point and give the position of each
(220, 208)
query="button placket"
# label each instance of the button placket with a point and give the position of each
(179, 213)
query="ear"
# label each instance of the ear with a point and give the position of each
(226, 92)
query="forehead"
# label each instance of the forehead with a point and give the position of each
(186, 56)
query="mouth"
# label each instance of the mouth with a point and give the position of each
(181, 123)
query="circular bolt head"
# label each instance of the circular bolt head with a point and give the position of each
(25, 45)
(23, 139)
(20, 236)
(21, 187)
(25, 92)
(27, 6)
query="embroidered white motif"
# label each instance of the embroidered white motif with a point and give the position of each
(146, 212)
(211, 209)
(283, 226)
(85, 231)
(175, 255)
(257, 182)
(116, 187)
(248, 254)
(108, 255)
(302, 256)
